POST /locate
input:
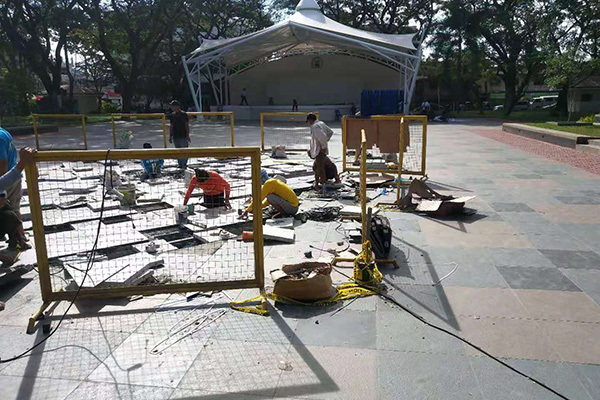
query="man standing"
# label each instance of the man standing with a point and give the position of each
(320, 134)
(179, 130)
(244, 98)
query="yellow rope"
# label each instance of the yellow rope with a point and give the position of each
(366, 283)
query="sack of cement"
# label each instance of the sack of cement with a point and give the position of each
(278, 152)
(124, 141)
(422, 198)
(305, 281)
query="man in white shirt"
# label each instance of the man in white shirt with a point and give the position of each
(320, 134)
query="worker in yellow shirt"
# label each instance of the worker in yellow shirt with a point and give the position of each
(276, 193)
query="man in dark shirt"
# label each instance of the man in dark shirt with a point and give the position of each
(180, 130)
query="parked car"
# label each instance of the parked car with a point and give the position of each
(543, 102)
(499, 107)
(521, 105)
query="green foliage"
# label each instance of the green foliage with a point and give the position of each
(16, 86)
(588, 130)
(109, 108)
(587, 118)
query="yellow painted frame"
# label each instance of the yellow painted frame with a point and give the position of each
(66, 116)
(399, 117)
(222, 114)
(279, 114)
(363, 202)
(49, 296)
(146, 115)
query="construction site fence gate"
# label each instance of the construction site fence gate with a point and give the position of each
(48, 180)
(406, 133)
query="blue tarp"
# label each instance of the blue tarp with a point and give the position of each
(381, 102)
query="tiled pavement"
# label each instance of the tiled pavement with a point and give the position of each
(526, 289)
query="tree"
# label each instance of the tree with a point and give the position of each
(38, 31)
(203, 19)
(509, 29)
(571, 30)
(387, 16)
(128, 33)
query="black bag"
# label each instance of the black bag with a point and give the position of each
(380, 235)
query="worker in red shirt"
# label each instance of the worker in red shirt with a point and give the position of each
(215, 188)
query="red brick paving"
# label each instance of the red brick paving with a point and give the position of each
(575, 158)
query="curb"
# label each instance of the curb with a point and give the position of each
(559, 138)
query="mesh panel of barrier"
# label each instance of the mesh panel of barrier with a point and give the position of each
(212, 129)
(285, 129)
(149, 241)
(131, 131)
(60, 131)
(413, 161)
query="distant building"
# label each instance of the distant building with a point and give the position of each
(584, 96)
(86, 98)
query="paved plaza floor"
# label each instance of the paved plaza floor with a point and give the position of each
(526, 289)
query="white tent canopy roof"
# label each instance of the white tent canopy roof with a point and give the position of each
(306, 32)
(307, 28)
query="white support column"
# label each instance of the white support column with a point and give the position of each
(415, 75)
(191, 85)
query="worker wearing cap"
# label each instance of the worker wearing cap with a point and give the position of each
(215, 188)
(277, 193)
(179, 129)
(320, 134)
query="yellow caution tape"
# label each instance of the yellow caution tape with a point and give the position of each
(366, 276)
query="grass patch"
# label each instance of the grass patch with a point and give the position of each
(593, 130)
(516, 116)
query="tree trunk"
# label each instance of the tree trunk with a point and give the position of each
(127, 95)
(510, 89)
(562, 104)
(69, 74)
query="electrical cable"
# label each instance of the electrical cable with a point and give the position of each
(87, 270)
(423, 320)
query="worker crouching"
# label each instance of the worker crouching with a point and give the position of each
(277, 193)
(215, 188)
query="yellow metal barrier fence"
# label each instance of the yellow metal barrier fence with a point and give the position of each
(412, 140)
(161, 116)
(36, 118)
(145, 241)
(365, 214)
(218, 114)
(301, 115)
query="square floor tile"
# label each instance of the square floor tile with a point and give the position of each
(509, 338)
(35, 388)
(77, 352)
(109, 391)
(588, 280)
(537, 278)
(578, 200)
(237, 367)
(421, 299)
(500, 383)
(398, 330)
(511, 207)
(570, 213)
(527, 176)
(573, 259)
(133, 363)
(589, 376)
(518, 258)
(487, 302)
(407, 375)
(558, 305)
(329, 373)
(353, 329)
(573, 341)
